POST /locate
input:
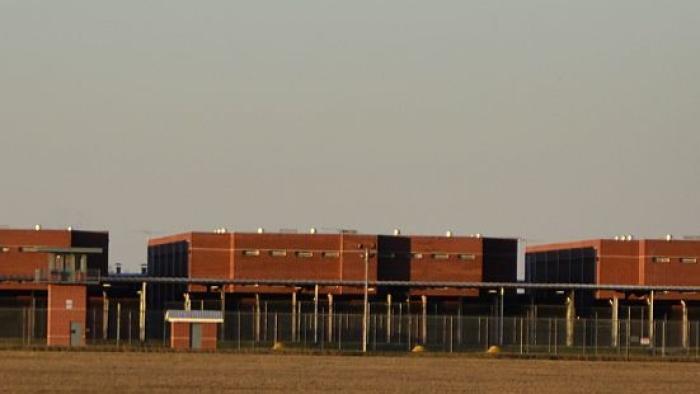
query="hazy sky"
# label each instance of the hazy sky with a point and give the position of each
(548, 120)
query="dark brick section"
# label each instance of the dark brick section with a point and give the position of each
(91, 239)
(166, 260)
(500, 260)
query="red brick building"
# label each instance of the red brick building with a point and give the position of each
(48, 271)
(331, 257)
(648, 262)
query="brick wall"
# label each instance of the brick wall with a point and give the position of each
(209, 336)
(180, 336)
(66, 304)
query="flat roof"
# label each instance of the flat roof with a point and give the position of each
(197, 316)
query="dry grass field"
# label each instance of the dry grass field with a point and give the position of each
(25, 371)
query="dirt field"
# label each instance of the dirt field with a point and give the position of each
(24, 371)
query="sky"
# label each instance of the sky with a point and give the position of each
(546, 120)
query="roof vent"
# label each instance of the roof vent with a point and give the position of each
(478, 235)
(629, 237)
(37, 227)
(261, 230)
(313, 230)
(70, 228)
(397, 231)
(669, 237)
(448, 233)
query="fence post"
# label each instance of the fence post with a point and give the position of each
(408, 332)
(424, 319)
(256, 319)
(663, 338)
(549, 335)
(388, 318)
(697, 338)
(584, 336)
(119, 320)
(142, 313)
(521, 335)
(628, 331)
(105, 315)
(478, 330)
(595, 334)
(459, 321)
(340, 332)
(315, 313)
(650, 301)
(330, 318)
(556, 337)
(239, 327)
(684, 326)
(451, 332)
(294, 315)
(374, 331)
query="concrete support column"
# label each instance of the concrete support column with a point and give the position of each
(330, 318)
(142, 313)
(257, 317)
(294, 316)
(105, 316)
(388, 318)
(650, 301)
(615, 322)
(684, 325)
(570, 318)
(316, 314)
(187, 302)
(424, 320)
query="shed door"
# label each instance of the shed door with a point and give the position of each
(196, 336)
(76, 333)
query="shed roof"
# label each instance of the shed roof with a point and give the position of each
(180, 316)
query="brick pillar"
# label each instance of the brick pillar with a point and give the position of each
(66, 305)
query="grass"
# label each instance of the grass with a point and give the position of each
(31, 371)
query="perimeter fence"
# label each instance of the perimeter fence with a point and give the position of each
(385, 332)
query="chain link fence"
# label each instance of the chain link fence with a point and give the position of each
(402, 330)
